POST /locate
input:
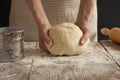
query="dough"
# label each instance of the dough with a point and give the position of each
(66, 37)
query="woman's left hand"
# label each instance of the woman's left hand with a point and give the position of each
(85, 31)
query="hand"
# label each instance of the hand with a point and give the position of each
(85, 31)
(44, 36)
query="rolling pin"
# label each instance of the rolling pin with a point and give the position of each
(113, 34)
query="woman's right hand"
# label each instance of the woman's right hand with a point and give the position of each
(44, 36)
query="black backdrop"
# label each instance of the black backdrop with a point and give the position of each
(108, 15)
(4, 12)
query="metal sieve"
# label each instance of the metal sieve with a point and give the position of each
(11, 44)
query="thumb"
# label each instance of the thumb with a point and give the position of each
(47, 40)
(84, 37)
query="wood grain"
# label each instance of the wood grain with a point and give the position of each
(15, 71)
(94, 64)
(113, 49)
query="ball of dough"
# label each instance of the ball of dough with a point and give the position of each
(66, 37)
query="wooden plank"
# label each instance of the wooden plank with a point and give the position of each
(15, 71)
(113, 49)
(93, 64)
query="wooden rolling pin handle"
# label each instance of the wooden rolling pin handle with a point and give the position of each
(105, 31)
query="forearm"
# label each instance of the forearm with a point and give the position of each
(85, 12)
(38, 12)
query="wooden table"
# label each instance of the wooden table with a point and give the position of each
(101, 61)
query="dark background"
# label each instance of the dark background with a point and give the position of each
(4, 12)
(108, 14)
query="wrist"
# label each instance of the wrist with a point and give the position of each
(81, 23)
(44, 27)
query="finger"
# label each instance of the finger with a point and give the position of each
(47, 40)
(42, 46)
(84, 37)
